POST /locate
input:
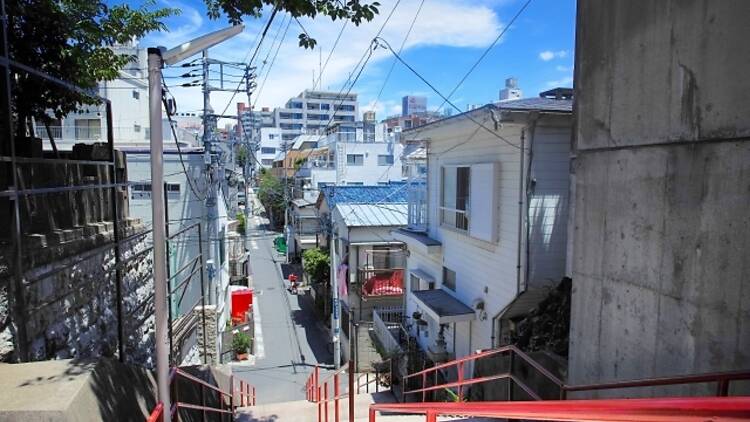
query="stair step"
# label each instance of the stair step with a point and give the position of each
(303, 410)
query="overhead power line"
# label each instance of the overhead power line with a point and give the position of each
(440, 94)
(484, 54)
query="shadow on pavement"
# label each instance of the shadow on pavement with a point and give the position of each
(317, 338)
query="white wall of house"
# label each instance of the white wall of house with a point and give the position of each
(367, 163)
(485, 257)
(270, 145)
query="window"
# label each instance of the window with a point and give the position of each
(88, 128)
(355, 159)
(290, 116)
(271, 136)
(266, 161)
(454, 210)
(385, 160)
(136, 95)
(339, 118)
(345, 107)
(325, 106)
(355, 183)
(140, 190)
(417, 283)
(295, 105)
(290, 126)
(267, 150)
(147, 133)
(449, 278)
(173, 187)
(137, 128)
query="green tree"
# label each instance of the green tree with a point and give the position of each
(354, 10)
(271, 195)
(241, 223)
(70, 40)
(317, 265)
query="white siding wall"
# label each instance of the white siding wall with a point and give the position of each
(484, 270)
(548, 207)
(370, 173)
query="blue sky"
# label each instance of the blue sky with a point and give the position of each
(448, 36)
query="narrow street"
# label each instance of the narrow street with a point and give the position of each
(289, 340)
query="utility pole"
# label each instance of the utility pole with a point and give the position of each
(161, 319)
(247, 138)
(336, 305)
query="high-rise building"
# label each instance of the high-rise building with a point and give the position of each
(412, 104)
(511, 90)
(310, 113)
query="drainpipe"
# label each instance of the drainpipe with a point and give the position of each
(521, 195)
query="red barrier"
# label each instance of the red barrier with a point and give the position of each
(670, 409)
(157, 414)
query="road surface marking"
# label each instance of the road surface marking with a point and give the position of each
(260, 351)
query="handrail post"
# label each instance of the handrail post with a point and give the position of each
(320, 408)
(231, 393)
(316, 383)
(325, 400)
(424, 385)
(460, 380)
(723, 388)
(372, 415)
(254, 402)
(510, 379)
(431, 416)
(350, 397)
(242, 393)
(336, 397)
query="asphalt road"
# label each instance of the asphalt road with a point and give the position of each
(291, 344)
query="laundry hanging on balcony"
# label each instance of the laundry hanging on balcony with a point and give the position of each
(384, 283)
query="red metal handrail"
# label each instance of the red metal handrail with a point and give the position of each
(246, 396)
(157, 415)
(461, 382)
(722, 379)
(317, 392)
(669, 409)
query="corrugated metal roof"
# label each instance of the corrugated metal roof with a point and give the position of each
(537, 103)
(373, 215)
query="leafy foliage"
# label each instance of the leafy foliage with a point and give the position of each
(240, 343)
(317, 265)
(354, 10)
(271, 195)
(241, 223)
(70, 40)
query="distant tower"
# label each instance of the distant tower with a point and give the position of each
(511, 90)
(368, 116)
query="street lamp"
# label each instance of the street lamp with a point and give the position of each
(157, 58)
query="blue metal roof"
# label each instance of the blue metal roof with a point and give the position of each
(393, 192)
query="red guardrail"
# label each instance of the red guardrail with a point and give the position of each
(318, 392)
(682, 409)
(245, 393)
(157, 415)
(722, 379)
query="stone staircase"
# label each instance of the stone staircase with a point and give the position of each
(303, 410)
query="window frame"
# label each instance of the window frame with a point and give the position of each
(451, 286)
(390, 162)
(460, 216)
(354, 162)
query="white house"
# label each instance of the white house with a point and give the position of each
(268, 146)
(487, 220)
(350, 158)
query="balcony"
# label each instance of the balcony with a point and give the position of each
(381, 282)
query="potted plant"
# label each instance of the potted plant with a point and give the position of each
(241, 345)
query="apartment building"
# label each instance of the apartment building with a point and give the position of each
(312, 111)
(268, 146)
(488, 218)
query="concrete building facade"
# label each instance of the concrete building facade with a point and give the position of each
(661, 284)
(311, 111)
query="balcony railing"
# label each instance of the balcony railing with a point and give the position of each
(458, 219)
(381, 282)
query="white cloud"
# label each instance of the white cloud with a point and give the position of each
(442, 23)
(560, 68)
(548, 55)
